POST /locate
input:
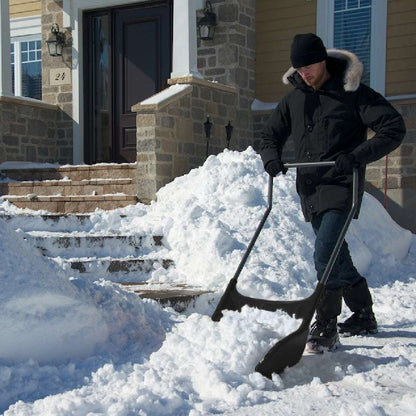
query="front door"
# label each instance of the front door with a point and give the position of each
(127, 59)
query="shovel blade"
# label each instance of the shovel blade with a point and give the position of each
(286, 353)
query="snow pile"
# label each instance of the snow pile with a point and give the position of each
(91, 349)
(50, 318)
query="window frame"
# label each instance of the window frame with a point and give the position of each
(17, 42)
(23, 29)
(324, 29)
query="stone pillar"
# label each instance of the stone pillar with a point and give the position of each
(230, 60)
(170, 130)
(57, 77)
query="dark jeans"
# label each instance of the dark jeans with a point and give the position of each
(327, 227)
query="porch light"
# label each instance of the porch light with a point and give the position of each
(229, 131)
(55, 45)
(206, 24)
(207, 127)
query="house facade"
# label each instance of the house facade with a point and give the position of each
(135, 84)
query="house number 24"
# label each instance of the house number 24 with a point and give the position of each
(60, 76)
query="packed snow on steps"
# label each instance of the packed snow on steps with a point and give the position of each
(100, 350)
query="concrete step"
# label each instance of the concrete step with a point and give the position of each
(84, 253)
(65, 187)
(178, 296)
(64, 223)
(82, 245)
(73, 172)
(72, 189)
(115, 266)
(73, 204)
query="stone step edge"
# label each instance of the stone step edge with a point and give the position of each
(69, 169)
(164, 291)
(72, 198)
(71, 182)
(47, 235)
(118, 265)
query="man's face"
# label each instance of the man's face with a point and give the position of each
(314, 75)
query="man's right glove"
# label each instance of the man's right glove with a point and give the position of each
(274, 167)
(345, 163)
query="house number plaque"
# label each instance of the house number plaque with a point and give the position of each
(60, 76)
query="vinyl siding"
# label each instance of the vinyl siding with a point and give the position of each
(276, 24)
(401, 47)
(24, 8)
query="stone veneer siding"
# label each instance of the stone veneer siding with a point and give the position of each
(230, 60)
(171, 138)
(61, 94)
(400, 199)
(28, 130)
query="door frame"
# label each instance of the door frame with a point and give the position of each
(72, 19)
(144, 12)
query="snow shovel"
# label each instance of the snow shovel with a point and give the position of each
(288, 351)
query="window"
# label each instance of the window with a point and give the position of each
(360, 27)
(352, 30)
(26, 58)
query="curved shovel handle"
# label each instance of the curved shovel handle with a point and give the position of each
(350, 216)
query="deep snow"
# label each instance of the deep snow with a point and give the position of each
(79, 347)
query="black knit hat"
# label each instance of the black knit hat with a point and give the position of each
(307, 49)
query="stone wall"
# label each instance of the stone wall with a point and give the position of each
(230, 60)
(393, 181)
(28, 130)
(171, 138)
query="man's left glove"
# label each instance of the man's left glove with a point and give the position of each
(345, 163)
(274, 167)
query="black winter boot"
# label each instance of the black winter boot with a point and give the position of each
(362, 321)
(324, 334)
(359, 323)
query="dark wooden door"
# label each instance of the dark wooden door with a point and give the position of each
(139, 50)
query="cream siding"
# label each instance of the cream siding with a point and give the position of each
(24, 8)
(277, 22)
(401, 47)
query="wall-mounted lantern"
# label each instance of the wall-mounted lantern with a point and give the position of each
(207, 23)
(55, 45)
(207, 127)
(229, 131)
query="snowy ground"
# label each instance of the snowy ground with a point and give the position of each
(74, 347)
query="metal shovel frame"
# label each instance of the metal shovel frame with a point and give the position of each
(288, 351)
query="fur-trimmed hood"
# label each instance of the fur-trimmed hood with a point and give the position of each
(341, 62)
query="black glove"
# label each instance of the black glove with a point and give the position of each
(274, 167)
(345, 163)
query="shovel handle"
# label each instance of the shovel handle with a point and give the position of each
(350, 216)
(269, 208)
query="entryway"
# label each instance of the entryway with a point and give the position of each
(127, 59)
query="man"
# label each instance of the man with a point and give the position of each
(327, 115)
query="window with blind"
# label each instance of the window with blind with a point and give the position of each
(359, 26)
(352, 30)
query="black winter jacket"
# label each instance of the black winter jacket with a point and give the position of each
(327, 122)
